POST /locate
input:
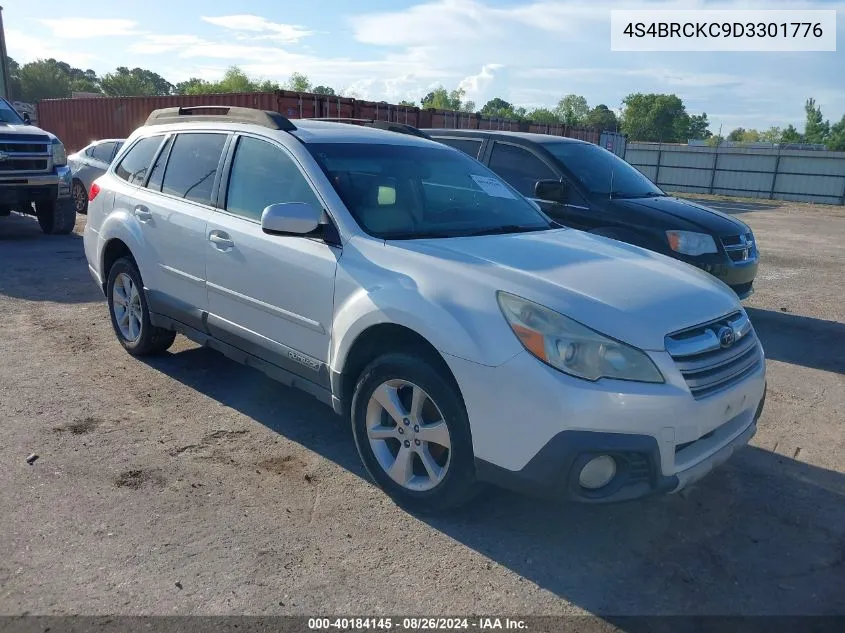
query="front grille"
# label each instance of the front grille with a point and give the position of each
(740, 248)
(716, 355)
(23, 164)
(29, 148)
(639, 468)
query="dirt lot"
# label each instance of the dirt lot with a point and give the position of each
(189, 484)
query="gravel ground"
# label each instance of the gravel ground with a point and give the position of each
(189, 484)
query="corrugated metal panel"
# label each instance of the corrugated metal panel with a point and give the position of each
(813, 164)
(680, 177)
(807, 184)
(694, 160)
(745, 181)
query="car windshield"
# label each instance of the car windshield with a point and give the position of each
(409, 192)
(8, 114)
(602, 172)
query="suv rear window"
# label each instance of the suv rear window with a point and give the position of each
(192, 166)
(135, 165)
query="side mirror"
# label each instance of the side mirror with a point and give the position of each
(26, 119)
(290, 218)
(551, 190)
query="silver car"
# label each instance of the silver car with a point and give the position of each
(87, 165)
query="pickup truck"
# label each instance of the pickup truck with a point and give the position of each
(34, 176)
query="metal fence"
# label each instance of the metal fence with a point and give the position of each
(773, 174)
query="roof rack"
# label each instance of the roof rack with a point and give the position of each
(391, 126)
(231, 114)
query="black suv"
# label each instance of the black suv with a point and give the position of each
(586, 187)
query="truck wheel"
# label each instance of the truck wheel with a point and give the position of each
(412, 433)
(130, 315)
(56, 217)
(80, 197)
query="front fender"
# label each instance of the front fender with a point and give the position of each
(453, 329)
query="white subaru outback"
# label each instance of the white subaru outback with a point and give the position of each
(468, 337)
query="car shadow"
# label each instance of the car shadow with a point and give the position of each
(764, 534)
(38, 267)
(800, 340)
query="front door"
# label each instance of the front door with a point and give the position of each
(271, 296)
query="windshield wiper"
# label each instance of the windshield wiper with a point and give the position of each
(507, 228)
(654, 194)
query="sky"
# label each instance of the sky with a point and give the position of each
(529, 53)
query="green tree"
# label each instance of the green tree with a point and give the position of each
(124, 82)
(772, 135)
(699, 127)
(715, 140)
(573, 110)
(298, 83)
(324, 90)
(407, 104)
(791, 135)
(816, 128)
(736, 134)
(602, 118)
(542, 115)
(496, 107)
(655, 117)
(14, 80)
(43, 79)
(836, 139)
(442, 99)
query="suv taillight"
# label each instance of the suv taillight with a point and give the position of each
(95, 189)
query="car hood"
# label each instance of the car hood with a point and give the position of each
(694, 216)
(623, 291)
(9, 129)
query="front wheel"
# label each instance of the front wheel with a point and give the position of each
(56, 217)
(130, 315)
(412, 433)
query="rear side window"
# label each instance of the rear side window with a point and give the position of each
(519, 168)
(157, 174)
(466, 145)
(103, 152)
(192, 166)
(262, 174)
(135, 165)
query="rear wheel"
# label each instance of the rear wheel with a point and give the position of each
(412, 433)
(80, 197)
(130, 315)
(56, 217)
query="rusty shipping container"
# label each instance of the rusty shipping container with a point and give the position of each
(77, 122)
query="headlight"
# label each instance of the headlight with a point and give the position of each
(59, 153)
(574, 348)
(690, 243)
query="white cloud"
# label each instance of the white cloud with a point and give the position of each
(87, 28)
(254, 24)
(28, 48)
(156, 44)
(476, 85)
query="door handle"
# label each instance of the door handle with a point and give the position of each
(143, 213)
(221, 240)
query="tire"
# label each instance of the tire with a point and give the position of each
(56, 217)
(80, 197)
(141, 338)
(398, 375)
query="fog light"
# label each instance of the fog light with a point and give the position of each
(597, 472)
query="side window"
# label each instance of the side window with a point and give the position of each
(103, 152)
(89, 151)
(136, 163)
(263, 174)
(192, 165)
(157, 175)
(466, 145)
(519, 167)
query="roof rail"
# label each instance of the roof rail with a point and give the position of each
(391, 126)
(231, 114)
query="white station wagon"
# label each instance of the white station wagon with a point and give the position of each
(468, 337)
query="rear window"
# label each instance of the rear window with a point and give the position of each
(192, 166)
(136, 163)
(103, 152)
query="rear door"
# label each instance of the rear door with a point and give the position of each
(173, 210)
(269, 295)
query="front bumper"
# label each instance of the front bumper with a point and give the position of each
(738, 275)
(536, 434)
(23, 187)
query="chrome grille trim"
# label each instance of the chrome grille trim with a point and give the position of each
(24, 153)
(706, 366)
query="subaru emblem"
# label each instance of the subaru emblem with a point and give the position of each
(726, 336)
